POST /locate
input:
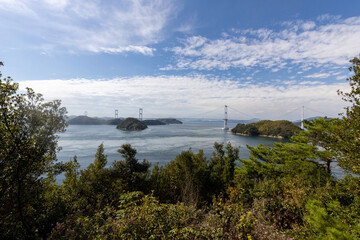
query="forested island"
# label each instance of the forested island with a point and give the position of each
(284, 191)
(267, 128)
(121, 123)
(131, 124)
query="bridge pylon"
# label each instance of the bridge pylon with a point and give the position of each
(225, 118)
(140, 114)
(302, 118)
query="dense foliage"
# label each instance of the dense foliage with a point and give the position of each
(281, 192)
(28, 145)
(279, 128)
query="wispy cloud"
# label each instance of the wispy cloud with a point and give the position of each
(327, 41)
(190, 96)
(318, 75)
(89, 25)
(136, 49)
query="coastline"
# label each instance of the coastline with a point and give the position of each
(270, 136)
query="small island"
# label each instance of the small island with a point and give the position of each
(121, 123)
(169, 120)
(267, 128)
(131, 124)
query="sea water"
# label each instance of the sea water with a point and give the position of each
(157, 144)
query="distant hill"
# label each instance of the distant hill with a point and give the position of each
(153, 122)
(219, 120)
(85, 120)
(267, 128)
(114, 121)
(169, 120)
(131, 124)
(69, 117)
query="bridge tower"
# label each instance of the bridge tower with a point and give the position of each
(116, 113)
(302, 118)
(225, 118)
(140, 114)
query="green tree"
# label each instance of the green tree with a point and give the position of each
(28, 146)
(232, 154)
(222, 166)
(321, 133)
(188, 172)
(216, 166)
(349, 135)
(130, 174)
(70, 185)
(94, 184)
(325, 223)
(185, 179)
(277, 181)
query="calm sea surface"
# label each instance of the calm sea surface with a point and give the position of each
(157, 144)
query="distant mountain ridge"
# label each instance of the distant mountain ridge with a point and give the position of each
(85, 120)
(153, 122)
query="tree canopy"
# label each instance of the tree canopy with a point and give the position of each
(349, 141)
(28, 146)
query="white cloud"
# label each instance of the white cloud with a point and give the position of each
(331, 41)
(137, 49)
(318, 75)
(18, 7)
(89, 25)
(310, 83)
(57, 4)
(308, 25)
(342, 77)
(189, 96)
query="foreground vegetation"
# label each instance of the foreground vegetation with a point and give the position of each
(280, 192)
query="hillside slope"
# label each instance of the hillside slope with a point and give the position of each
(268, 128)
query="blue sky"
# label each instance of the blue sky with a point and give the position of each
(265, 59)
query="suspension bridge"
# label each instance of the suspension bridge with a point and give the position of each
(240, 115)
